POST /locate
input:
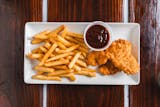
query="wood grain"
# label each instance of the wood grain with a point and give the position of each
(85, 10)
(147, 13)
(85, 96)
(13, 91)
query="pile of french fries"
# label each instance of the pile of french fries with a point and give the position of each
(62, 54)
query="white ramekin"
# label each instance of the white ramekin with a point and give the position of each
(102, 24)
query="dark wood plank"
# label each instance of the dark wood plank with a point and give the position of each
(85, 10)
(85, 96)
(13, 91)
(147, 13)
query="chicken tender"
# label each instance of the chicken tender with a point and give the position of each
(120, 54)
(108, 68)
(96, 58)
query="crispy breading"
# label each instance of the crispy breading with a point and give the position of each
(120, 54)
(108, 68)
(96, 58)
(91, 58)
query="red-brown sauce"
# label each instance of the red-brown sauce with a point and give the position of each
(97, 36)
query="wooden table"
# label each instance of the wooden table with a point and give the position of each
(15, 93)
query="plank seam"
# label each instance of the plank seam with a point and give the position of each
(44, 19)
(125, 19)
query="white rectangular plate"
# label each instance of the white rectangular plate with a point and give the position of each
(127, 31)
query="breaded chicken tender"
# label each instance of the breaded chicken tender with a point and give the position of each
(108, 68)
(117, 57)
(96, 58)
(120, 54)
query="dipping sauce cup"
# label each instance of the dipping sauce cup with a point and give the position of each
(97, 36)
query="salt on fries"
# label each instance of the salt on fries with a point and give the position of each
(62, 55)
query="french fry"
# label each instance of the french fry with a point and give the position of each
(69, 57)
(44, 69)
(68, 49)
(88, 70)
(70, 76)
(81, 63)
(76, 35)
(84, 54)
(61, 67)
(45, 32)
(47, 45)
(52, 55)
(64, 32)
(36, 50)
(83, 49)
(73, 61)
(43, 77)
(63, 41)
(53, 39)
(43, 49)
(56, 31)
(59, 72)
(48, 54)
(81, 40)
(61, 45)
(76, 67)
(58, 57)
(34, 56)
(41, 37)
(90, 74)
(55, 63)
(69, 38)
(82, 57)
(40, 72)
(36, 41)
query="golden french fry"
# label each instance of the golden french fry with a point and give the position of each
(58, 57)
(48, 54)
(35, 50)
(76, 35)
(62, 67)
(45, 32)
(57, 49)
(71, 39)
(53, 39)
(76, 67)
(36, 41)
(61, 45)
(91, 74)
(56, 31)
(59, 72)
(88, 70)
(43, 77)
(69, 57)
(83, 49)
(34, 56)
(63, 41)
(82, 57)
(43, 49)
(73, 61)
(64, 32)
(81, 40)
(81, 63)
(47, 45)
(70, 76)
(84, 54)
(41, 37)
(44, 69)
(68, 49)
(52, 55)
(55, 63)
(40, 72)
